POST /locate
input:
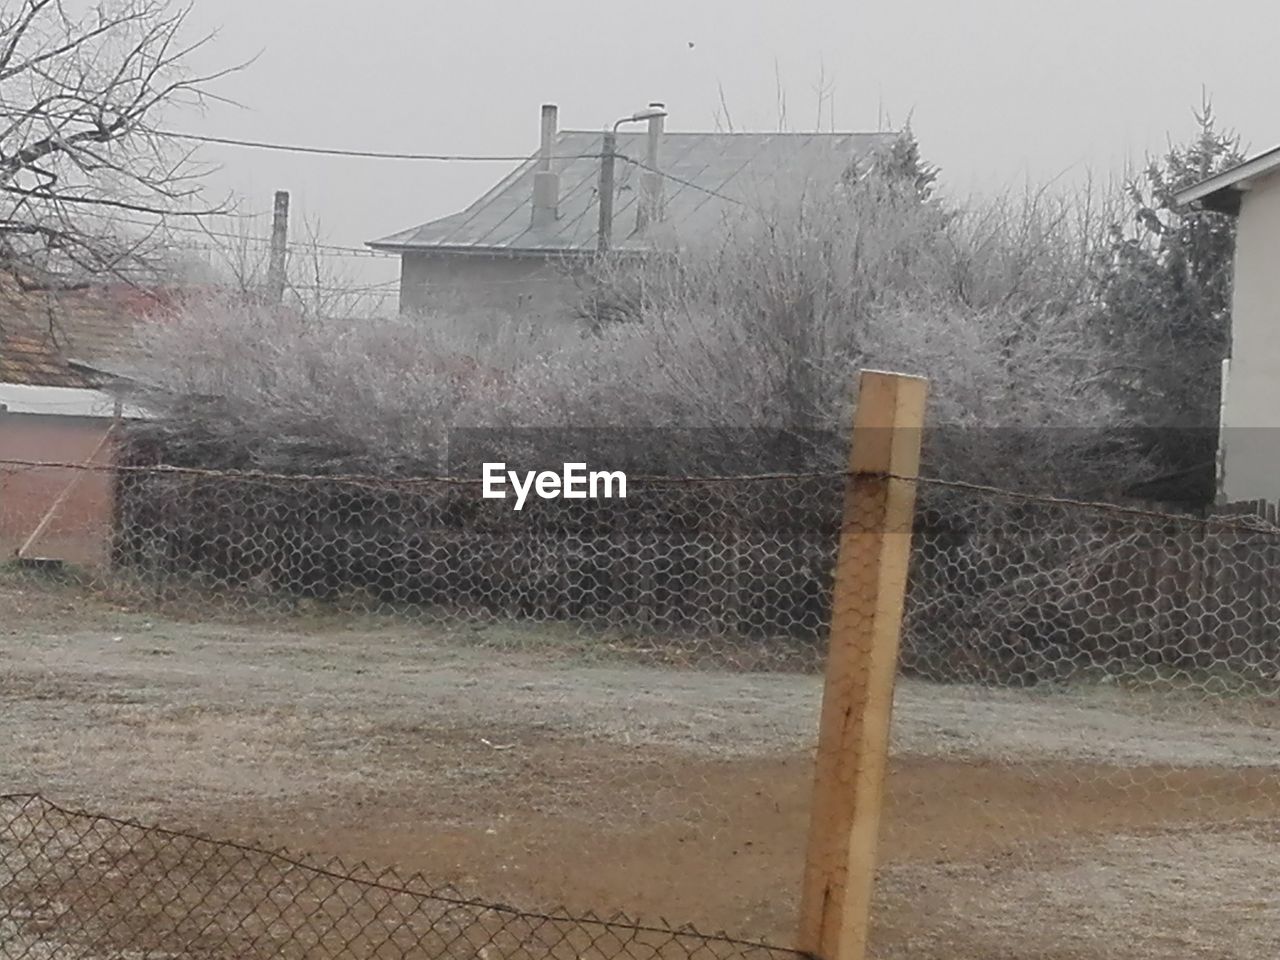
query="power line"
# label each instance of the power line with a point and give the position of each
(340, 288)
(342, 251)
(302, 245)
(680, 180)
(366, 154)
(305, 247)
(393, 155)
(242, 238)
(446, 157)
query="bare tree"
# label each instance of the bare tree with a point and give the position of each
(319, 287)
(82, 86)
(316, 282)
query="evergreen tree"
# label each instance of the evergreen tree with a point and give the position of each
(1165, 310)
(899, 165)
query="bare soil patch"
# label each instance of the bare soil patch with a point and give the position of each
(1043, 823)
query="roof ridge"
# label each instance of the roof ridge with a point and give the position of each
(1211, 189)
(739, 133)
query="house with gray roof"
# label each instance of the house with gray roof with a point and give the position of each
(518, 247)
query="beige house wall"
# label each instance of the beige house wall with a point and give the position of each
(480, 287)
(1250, 441)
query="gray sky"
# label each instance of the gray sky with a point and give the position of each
(999, 91)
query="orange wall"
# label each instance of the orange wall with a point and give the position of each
(81, 526)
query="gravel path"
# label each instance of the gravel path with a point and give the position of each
(237, 710)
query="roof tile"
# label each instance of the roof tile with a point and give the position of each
(34, 362)
(42, 330)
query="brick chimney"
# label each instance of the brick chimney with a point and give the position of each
(650, 208)
(546, 182)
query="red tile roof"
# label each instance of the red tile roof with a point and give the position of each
(33, 362)
(42, 330)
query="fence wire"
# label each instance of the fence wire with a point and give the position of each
(78, 885)
(726, 571)
(1086, 745)
(1086, 738)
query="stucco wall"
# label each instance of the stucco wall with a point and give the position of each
(476, 287)
(1250, 444)
(80, 529)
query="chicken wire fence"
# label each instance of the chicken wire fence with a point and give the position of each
(721, 571)
(1005, 589)
(1086, 719)
(79, 885)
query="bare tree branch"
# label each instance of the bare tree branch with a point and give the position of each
(80, 95)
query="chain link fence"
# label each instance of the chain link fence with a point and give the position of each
(85, 886)
(1086, 740)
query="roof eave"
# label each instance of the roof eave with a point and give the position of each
(498, 251)
(1222, 192)
(1224, 201)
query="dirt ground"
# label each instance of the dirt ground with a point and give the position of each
(1047, 823)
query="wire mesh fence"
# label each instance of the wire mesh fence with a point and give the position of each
(1086, 723)
(1087, 734)
(75, 884)
(726, 570)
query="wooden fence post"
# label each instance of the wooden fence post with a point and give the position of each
(857, 700)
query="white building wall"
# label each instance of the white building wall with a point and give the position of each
(1250, 441)
(475, 288)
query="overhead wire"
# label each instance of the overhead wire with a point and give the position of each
(364, 154)
(680, 180)
(406, 155)
(396, 155)
(337, 250)
(243, 238)
(340, 250)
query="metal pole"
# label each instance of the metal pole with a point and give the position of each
(279, 247)
(604, 238)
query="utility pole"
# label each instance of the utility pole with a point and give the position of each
(655, 111)
(279, 248)
(604, 238)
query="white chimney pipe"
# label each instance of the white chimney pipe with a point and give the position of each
(546, 182)
(649, 209)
